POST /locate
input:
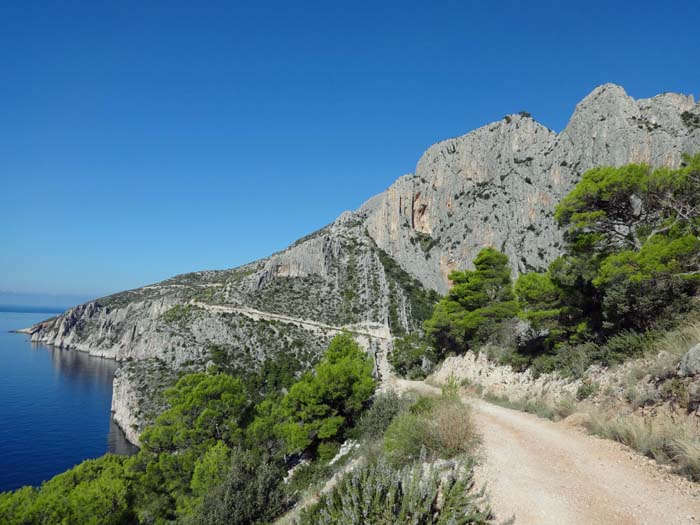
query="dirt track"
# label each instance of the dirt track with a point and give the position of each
(552, 473)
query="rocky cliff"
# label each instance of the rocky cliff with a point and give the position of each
(375, 270)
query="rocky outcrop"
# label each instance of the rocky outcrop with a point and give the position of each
(503, 381)
(498, 185)
(125, 406)
(689, 364)
(382, 264)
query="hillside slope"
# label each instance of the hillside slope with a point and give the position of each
(381, 265)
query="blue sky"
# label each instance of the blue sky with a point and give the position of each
(139, 140)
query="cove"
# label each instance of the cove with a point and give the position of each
(54, 406)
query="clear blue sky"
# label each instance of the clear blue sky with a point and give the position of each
(139, 140)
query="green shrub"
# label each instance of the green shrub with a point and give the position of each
(250, 493)
(178, 313)
(406, 438)
(476, 306)
(322, 405)
(308, 474)
(327, 450)
(377, 418)
(586, 390)
(625, 345)
(412, 357)
(96, 492)
(381, 494)
(423, 405)
(439, 428)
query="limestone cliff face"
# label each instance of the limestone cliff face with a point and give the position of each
(375, 269)
(498, 185)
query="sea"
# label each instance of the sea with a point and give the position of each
(54, 404)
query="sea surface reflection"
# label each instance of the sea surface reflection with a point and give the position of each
(54, 407)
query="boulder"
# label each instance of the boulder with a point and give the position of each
(689, 364)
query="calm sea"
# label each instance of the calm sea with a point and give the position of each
(54, 406)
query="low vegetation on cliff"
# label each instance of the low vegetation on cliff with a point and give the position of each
(217, 457)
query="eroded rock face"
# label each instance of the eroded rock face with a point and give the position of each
(375, 267)
(498, 185)
(503, 381)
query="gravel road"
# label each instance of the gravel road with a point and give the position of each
(553, 473)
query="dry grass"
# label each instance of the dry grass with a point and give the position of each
(671, 347)
(441, 427)
(453, 429)
(669, 439)
(538, 406)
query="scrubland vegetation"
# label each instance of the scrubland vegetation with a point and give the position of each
(403, 475)
(215, 457)
(669, 439)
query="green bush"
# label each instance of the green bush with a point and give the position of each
(586, 390)
(377, 418)
(412, 357)
(625, 345)
(381, 494)
(250, 493)
(406, 438)
(327, 450)
(438, 428)
(540, 407)
(323, 404)
(96, 492)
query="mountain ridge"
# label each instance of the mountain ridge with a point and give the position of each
(383, 263)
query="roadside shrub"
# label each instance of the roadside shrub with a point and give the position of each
(439, 428)
(667, 439)
(405, 438)
(381, 494)
(586, 390)
(422, 405)
(377, 418)
(685, 454)
(453, 429)
(625, 345)
(250, 493)
(669, 348)
(538, 406)
(412, 357)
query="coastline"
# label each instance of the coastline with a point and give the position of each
(119, 413)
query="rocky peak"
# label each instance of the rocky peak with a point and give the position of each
(497, 186)
(375, 269)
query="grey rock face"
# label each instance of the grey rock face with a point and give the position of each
(689, 364)
(498, 185)
(376, 268)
